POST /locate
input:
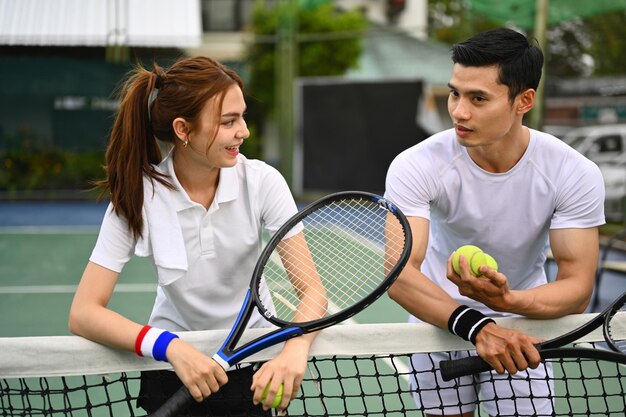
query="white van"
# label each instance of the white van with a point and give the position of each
(601, 143)
(606, 146)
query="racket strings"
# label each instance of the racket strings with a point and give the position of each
(340, 269)
(353, 251)
(340, 253)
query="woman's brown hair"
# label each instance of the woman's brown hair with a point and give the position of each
(149, 103)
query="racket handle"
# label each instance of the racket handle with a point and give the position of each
(455, 368)
(175, 404)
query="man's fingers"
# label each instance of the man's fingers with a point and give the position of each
(533, 357)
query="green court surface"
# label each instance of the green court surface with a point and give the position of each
(40, 269)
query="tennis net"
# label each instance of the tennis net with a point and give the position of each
(355, 370)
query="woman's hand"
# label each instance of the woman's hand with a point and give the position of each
(200, 374)
(287, 368)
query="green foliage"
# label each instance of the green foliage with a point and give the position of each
(332, 57)
(608, 42)
(34, 166)
(566, 46)
(599, 34)
(329, 43)
(452, 21)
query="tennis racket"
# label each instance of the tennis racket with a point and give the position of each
(612, 320)
(327, 263)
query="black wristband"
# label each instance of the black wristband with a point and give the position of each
(466, 322)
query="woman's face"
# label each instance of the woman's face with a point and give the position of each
(221, 150)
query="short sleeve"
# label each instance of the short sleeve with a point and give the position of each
(115, 244)
(277, 204)
(409, 186)
(580, 199)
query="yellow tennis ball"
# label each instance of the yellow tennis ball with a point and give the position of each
(468, 251)
(479, 259)
(277, 399)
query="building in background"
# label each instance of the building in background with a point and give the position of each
(60, 61)
(577, 102)
(225, 21)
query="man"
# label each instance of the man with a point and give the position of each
(512, 191)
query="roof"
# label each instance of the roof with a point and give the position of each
(394, 54)
(149, 23)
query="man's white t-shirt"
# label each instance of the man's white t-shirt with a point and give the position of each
(508, 214)
(221, 245)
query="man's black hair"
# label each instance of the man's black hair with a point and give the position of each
(519, 61)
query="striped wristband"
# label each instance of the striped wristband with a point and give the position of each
(466, 322)
(152, 342)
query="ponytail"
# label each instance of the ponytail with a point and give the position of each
(132, 149)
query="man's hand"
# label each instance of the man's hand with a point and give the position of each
(491, 288)
(507, 349)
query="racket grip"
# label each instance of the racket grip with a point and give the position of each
(455, 368)
(175, 404)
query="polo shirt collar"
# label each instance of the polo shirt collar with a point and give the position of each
(227, 187)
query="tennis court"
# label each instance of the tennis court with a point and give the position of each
(41, 263)
(42, 257)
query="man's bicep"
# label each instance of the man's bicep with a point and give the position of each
(575, 251)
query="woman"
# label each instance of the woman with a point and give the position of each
(199, 215)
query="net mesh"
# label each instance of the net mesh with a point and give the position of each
(367, 382)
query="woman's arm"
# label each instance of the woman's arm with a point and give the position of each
(89, 315)
(92, 319)
(289, 366)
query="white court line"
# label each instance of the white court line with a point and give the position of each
(70, 289)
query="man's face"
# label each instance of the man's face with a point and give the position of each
(479, 106)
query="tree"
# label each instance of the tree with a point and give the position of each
(329, 42)
(607, 46)
(566, 54)
(592, 44)
(452, 21)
